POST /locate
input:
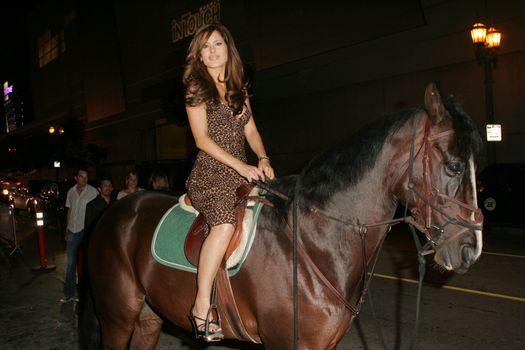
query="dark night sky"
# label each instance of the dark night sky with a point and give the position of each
(14, 65)
(12, 18)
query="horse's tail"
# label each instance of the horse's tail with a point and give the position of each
(88, 324)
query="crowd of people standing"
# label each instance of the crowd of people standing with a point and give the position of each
(85, 205)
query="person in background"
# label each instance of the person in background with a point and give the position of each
(221, 122)
(98, 206)
(158, 181)
(131, 185)
(77, 199)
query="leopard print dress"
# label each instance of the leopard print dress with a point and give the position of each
(211, 185)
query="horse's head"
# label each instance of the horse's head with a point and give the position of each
(441, 186)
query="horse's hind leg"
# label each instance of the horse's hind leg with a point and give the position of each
(147, 329)
(117, 320)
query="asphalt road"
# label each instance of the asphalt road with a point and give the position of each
(482, 309)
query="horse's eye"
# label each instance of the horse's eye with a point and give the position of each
(455, 168)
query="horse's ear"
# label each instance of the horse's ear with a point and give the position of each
(434, 104)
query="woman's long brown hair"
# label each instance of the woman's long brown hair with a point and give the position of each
(200, 87)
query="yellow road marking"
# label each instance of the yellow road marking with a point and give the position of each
(504, 254)
(459, 289)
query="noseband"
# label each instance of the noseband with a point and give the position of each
(431, 197)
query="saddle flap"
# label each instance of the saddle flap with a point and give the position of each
(195, 239)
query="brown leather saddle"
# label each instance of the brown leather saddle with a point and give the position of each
(199, 229)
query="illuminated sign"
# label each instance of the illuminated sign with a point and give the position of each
(494, 132)
(189, 22)
(8, 89)
(13, 107)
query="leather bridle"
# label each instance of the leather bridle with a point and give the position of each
(430, 196)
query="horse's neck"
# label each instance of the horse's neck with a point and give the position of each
(337, 246)
(371, 199)
(374, 197)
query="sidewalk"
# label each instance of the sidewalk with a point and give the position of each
(32, 316)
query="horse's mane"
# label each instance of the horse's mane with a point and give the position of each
(343, 165)
(466, 134)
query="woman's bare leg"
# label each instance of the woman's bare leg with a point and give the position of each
(211, 255)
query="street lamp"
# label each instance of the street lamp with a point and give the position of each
(487, 42)
(55, 129)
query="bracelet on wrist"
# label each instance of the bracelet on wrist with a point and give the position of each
(264, 157)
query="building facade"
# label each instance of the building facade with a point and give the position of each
(319, 71)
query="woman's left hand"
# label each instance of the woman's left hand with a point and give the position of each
(266, 168)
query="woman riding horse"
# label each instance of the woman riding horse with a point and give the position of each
(423, 158)
(221, 119)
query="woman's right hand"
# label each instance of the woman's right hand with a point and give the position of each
(250, 172)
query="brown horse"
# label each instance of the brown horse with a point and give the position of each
(419, 157)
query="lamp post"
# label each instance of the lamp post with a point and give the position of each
(487, 42)
(56, 131)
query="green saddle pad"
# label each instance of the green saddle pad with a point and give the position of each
(167, 246)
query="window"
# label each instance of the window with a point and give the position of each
(48, 47)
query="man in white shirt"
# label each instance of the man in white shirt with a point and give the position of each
(77, 198)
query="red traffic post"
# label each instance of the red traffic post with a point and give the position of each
(41, 240)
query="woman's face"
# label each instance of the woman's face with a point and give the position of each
(132, 181)
(214, 52)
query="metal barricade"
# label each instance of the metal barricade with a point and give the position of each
(8, 227)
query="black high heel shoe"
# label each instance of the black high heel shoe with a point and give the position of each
(203, 330)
